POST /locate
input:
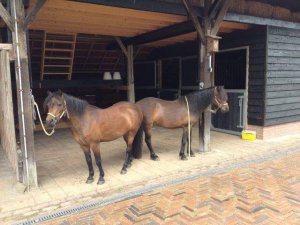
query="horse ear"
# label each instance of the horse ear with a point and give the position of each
(220, 88)
(49, 92)
(216, 89)
(60, 92)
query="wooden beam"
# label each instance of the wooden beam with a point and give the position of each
(80, 83)
(24, 95)
(130, 75)
(6, 17)
(7, 129)
(235, 17)
(214, 9)
(194, 17)
(122, 46)
(220, 16)
(159, 34)
(10, 48)
(33, 13)
(149, 5)
(205, 81)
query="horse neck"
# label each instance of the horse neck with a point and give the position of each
(198, 103)
(75, 117)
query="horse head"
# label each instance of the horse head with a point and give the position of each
(56, 107)
(220, 99)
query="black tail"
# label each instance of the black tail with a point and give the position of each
(137, 145)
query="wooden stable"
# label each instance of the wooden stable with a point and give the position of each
(71, 41)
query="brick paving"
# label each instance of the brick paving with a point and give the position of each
(62, 169)
(265, 193)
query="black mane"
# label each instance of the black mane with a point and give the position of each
(74, 105)
(199, 100)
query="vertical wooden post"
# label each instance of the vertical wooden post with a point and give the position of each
(205, 123)
(7, 124)
(24, 94)
(130, 74)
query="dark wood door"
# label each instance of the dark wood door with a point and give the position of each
(234, 119)
(231, 72)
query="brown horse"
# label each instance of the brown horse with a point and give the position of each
(174, 114)
(91, 125)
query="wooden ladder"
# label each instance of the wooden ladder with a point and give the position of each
(58, 55)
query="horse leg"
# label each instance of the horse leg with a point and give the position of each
(130, 156)
(201, 132)
(190, 141)
(147, 130)
(88, 158)
(129, 137)
(97, 155)
(183, 143)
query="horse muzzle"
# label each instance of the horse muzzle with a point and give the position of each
(224, 109)
(51, 122)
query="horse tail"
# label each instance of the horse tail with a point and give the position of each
(137, 145)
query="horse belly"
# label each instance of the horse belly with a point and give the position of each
(109, 131)
(169, 119)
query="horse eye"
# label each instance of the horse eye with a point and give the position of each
(59, 104)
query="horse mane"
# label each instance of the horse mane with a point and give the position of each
(198, 100)
(75, 105)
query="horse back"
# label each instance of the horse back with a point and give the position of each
(168, 114)
(113, 122)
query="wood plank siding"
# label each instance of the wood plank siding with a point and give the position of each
(283, 76)
(256, 40)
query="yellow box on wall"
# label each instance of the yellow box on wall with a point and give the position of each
(248, 135)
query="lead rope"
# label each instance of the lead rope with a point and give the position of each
(40, 118)
(189, 126)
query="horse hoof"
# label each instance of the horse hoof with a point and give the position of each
(183, 157)
(193, 154)
(123, 171)
(101, 181)
(89, 180)
(155, 158)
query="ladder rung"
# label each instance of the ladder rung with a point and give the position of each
(53, 57)
(57, 65)
(58, 41)
(56, 73)
(58, 50)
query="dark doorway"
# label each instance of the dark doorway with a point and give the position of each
(232, 73)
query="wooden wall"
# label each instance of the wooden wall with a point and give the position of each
(283, 76)
(255, 38)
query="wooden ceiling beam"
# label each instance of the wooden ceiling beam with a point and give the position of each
(84, 26)
(60, 21)
(34, 11)
(86, 30)
(214, 9)
(159, 34)
(122, 46)
(88, 9)
(233, 25)
(149, 5)
(220, 16)
(6, 17)
(189, 7)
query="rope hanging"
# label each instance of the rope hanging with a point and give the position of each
(189, 126)
(39, 115)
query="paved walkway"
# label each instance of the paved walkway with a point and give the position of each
(263, 193)
(62, 170)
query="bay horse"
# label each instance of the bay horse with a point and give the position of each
(174, 114)
(91, 125)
